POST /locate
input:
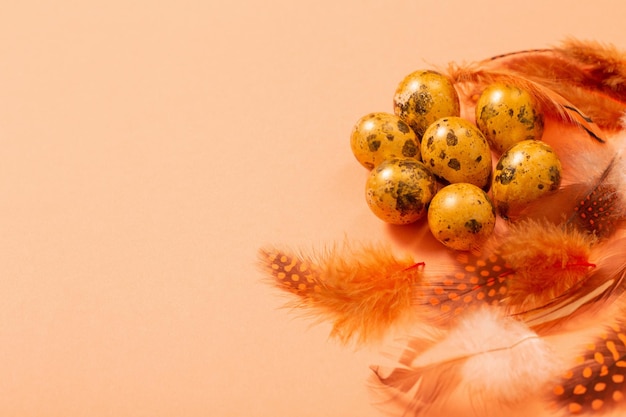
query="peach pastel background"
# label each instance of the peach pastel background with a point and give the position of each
(149, 148)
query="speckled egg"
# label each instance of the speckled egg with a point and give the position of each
(461, 216)
(507, 115)
(423, 97)
(380, 136)
(456, 151)
(398, 191)
(525, 172)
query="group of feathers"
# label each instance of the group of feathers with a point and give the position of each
(533, 322)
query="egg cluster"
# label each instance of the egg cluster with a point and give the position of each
(425, 161)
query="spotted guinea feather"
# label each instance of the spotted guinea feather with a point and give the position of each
(363, 291)
(522, 270)
(475, 279)
(601, 209)
(597, 383)
(491, 330)
(592, 198)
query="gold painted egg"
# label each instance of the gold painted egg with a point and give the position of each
(380, 136)
(456, 151)
(507, 115)
(461, 216)
(423, 97)
(525, 172)
(398, 191)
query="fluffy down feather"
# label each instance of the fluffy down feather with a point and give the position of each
(364, 292)
(489, 363)
(532, 323)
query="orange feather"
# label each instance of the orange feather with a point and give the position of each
(491, 330)
(363, 292)
(578, 81)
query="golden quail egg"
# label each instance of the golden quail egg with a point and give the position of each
(380, 136)
(507, 115)
(423, 97)
(456, 151)
(398, 191)
(461, 216)
(525, 172)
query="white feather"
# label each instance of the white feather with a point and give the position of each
(489, 361)
(507, 362)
